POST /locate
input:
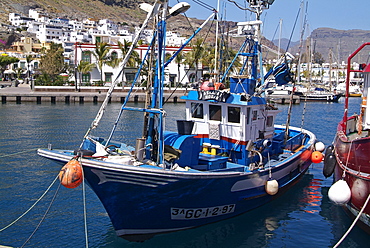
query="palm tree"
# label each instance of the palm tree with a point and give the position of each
(194, 56)
(134, 57)
(83, 68)
(114, 62)
(178, 60)
(101, 54)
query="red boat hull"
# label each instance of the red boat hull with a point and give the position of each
(353, 162)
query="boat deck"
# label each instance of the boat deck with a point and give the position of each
(355, 135)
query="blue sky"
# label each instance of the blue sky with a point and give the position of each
(338, 14)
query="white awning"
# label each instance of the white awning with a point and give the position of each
(9, 71)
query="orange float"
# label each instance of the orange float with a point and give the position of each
(316, 157)
(70, 175)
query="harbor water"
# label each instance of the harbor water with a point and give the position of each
(303, 217)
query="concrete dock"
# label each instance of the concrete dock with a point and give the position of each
(68, 94)
(23, 93)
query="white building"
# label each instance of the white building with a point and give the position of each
(49, 33)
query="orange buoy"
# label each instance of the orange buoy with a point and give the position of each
(316, 157)
(70, 175)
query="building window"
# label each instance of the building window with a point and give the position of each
(114, 55)
(215, 112)
(86, 78)
(233, 114)
(130, 77)
(197, 110)
(86, 56)
(108, 77)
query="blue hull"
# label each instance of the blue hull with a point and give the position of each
(141, 205)
(146, 200)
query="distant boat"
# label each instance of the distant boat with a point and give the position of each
(354, 90)
(349, 155)
(226, 158)
(320, 94)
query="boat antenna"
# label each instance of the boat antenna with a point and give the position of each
(293, 81)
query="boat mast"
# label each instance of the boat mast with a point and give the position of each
(216, 45)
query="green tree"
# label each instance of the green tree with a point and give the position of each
(101, 54)
(84, 67)
(193, 57)
(52, 64)
(178, 60)
(134, 58)
(5, 61)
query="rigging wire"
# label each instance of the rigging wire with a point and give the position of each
(33, 205)
(240, 7)
(204, 5)
(186, 73)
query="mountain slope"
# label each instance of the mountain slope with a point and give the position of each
(127, 12)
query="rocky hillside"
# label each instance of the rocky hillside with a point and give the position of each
(335, 45)
(342, 42)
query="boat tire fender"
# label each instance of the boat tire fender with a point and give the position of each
(329, 164)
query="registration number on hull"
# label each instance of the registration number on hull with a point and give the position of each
(199, 213)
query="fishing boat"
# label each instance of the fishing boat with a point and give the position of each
(227, 156)
(348, 157)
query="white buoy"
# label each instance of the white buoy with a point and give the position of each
(272, 187)
(339, 192)
(319, 146)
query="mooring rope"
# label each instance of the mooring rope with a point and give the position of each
(16, 220)
(8, 155)
(43, 217)
(354, 222)
(84, 204)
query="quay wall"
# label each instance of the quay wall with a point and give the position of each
(67, 94)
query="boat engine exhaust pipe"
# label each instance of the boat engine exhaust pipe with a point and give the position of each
(139, 149)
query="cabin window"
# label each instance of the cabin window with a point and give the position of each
(215, 112)
(197, 110)
(269, 121)
(254, 115)
(233, 114)
(248, 114)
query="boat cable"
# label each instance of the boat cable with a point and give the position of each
(203, 4)
(192, 62)
(84, 202)
(354, 222)
(16, 153)
(44, 216)
(16, 220)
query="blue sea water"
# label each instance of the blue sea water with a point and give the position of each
(303, 217)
